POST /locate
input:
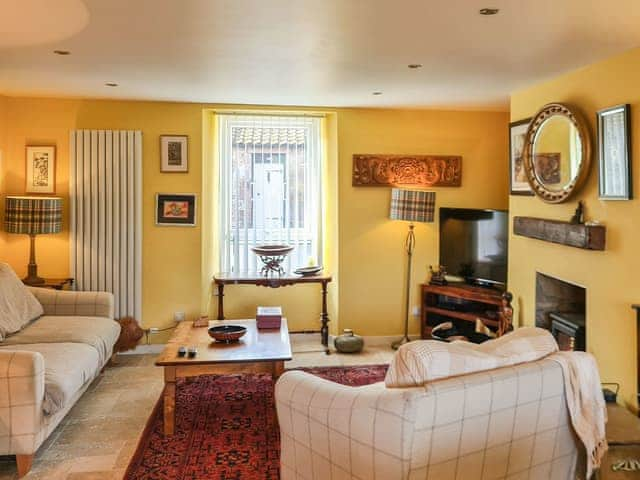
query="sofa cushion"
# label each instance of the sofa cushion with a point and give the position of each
(98, 332)
(18, 306)
(417, 363)
(67, 367)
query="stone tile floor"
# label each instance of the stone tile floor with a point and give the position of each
(97, 438)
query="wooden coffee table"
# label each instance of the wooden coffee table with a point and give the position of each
(258, 351)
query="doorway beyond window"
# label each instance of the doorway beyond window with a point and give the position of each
(270, 189)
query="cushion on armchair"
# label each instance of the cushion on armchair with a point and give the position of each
(419, 362)
(18, 306)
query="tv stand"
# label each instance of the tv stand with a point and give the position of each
(467, 303)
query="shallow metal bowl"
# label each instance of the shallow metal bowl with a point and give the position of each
(272, 250)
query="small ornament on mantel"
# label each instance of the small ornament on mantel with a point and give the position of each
(438, 276)
(578, 216)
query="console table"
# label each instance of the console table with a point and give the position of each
(222, 279)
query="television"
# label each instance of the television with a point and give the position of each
(474, 245)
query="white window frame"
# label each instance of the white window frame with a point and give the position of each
(235, 243)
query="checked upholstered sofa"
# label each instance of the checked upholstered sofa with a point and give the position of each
(53, 344)
(506, 423)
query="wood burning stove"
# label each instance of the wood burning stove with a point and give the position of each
(569, 330)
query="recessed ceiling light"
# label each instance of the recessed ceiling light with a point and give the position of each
(111, 84)
(376, 93)
(489, 11)
(62, 52)
(414, 65)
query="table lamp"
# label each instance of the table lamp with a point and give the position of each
(410, 206)
(33, 216)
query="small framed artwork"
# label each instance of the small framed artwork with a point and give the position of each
(41, 169)
(174, 153)
(176, 209)
(518, 178)
(614, 150)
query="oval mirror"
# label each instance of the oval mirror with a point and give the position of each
(556, 153)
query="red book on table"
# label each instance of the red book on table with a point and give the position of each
(268, 317)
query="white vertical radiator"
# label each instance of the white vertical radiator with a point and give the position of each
(105, 175)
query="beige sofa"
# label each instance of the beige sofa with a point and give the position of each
(47, 365)
(507, 423)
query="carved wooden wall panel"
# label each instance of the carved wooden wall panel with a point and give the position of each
(415, 170)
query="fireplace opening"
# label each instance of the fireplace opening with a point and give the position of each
(561, 309)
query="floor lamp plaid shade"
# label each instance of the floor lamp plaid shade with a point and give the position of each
(412, 205)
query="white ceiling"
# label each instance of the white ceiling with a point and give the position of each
(305, 52)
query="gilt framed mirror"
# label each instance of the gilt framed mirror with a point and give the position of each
(557, 153)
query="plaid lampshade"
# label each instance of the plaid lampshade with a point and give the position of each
(412, 205)
(33, 215)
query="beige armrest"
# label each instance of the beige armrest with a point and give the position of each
(21, 397)
(64, 302)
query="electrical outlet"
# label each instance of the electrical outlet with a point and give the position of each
(178, 316)
(415, 311)
(153, 330)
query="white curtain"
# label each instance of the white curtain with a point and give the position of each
(106, 215)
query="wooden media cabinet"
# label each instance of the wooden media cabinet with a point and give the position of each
(459, 301)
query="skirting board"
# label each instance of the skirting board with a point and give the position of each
(374, 341)
(155, 348)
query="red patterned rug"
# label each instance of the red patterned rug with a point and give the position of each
(226, 428)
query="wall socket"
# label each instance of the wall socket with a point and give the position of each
(415, 311)
(178, 316)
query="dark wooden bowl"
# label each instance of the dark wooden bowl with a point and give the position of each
(227, 333)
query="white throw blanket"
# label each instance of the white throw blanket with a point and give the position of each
(585, 402)
(420, 362)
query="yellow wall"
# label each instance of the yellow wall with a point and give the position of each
(3, 131)
(372, 256)
(611, 277)
(365, 247)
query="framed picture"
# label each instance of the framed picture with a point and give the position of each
(614, 150)
(176, 209)
(518, 178)
(41, 170)
(174, 153)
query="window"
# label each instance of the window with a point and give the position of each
(270, 189)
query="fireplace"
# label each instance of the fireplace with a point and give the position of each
(561, 309)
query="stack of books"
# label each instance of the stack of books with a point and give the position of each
(268, 317)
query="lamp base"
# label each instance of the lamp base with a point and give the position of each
(32, 277)
(33, 280)
(396, 345)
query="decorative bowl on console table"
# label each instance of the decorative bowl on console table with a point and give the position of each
(272, 256)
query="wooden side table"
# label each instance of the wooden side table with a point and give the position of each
(222, 279)
(55, 283)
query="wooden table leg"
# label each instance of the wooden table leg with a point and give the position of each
(324, 330)
(278, 369)
(221, 301)
(169, 400)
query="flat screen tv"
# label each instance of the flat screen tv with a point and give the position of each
(474, 245)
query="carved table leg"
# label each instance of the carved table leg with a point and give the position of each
(324, 330)
(221, 301)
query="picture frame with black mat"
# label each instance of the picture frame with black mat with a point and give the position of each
(174, 153)
(614, 152)
(176, 209)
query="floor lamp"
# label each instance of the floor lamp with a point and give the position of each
(33, 216)
(410, 206)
